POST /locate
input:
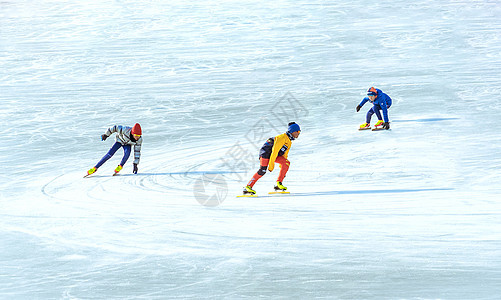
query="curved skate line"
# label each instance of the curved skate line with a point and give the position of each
(44, 188)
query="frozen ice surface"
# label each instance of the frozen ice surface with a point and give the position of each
(413, 212)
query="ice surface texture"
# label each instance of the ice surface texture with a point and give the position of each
(408, 213)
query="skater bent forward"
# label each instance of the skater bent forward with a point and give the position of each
(126, 137)
(275, 150)
(380, 101)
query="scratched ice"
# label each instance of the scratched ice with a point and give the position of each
(409, 213)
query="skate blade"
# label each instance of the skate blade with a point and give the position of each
(246, 196)
(283, 192)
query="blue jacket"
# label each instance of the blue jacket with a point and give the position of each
(382, 102)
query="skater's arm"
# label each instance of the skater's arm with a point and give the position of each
(137, 150)
(385, 113)
(364, 101)
(388, 101)
(279, 143)
(384, 107)
(111, 130)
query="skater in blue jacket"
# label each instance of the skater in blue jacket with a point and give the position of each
(381, 102)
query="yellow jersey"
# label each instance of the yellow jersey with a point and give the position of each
(282, 144)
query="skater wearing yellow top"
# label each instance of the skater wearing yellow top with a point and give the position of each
(275, 150)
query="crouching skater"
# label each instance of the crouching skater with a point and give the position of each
(275, 150)
(126, 137)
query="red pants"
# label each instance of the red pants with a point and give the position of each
(284, 167)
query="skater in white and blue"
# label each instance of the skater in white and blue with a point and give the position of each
(126, 138)
(381, 101)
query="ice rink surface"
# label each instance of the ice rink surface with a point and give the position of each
(409, 213)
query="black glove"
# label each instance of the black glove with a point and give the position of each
(358, 108)
(104, 137)
(135, 169)
(386, 125)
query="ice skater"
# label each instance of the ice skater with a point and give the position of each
(126, 137)
(275, 150)
(380, 101)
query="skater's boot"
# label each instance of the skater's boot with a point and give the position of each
(91, 171)
(365, 126)
(117, 169)
(379, 124)
(280, 187)
(248, 191)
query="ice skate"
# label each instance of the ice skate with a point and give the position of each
(91, 171)
(117, 169)
(248, 191)
(280, 187)
(365, 126)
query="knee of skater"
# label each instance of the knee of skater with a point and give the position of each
(262, 170)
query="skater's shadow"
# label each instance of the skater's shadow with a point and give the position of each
(395, 191)
(187, 173)
(426, 120)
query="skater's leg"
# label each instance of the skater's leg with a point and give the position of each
(377, 110)
(369, 115)
(127, 149)
(284, 167)
(260, 173)
(108, 155)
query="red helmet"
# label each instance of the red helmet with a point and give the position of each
(137, 129)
